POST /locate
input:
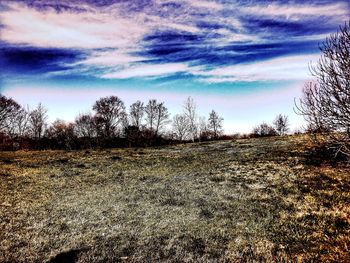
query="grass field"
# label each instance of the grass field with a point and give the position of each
(242, 201)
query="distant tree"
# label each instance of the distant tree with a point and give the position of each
(325, 104)
(157, 115)
(203, 129)
(281, 124)
(18, 124)
(181, 126)
(38, 121)
(124, 121)
(8, 110)
(22, 122)
(191, 115)
(133, 135)
(110, 112)
(151, 113)
(264, 129)
(215, 124)
(162, 117)
(62, 133)
(85, 126)
(136, 112)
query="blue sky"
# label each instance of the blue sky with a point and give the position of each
(245, 59)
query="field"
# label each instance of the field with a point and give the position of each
(227, 201)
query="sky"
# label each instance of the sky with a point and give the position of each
(247, 60)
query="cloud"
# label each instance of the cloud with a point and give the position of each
(284, 68)
(150, 70)
(49, 28)
(34, 60)
(211, 5)
(110, 58)
(299, 11)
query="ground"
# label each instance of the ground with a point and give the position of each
(227, 201)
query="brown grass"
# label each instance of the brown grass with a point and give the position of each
(243, 201)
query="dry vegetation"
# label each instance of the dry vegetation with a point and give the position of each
(242, 201)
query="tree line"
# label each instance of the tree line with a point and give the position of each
(110, 124)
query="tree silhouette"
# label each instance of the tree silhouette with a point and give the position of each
(215, 124)
(190, 112)
(8, 110)
(281, 124)
(109, 115)
(181, 126)
(38, 121)
(136, 112)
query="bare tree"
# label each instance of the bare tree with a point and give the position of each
(325, 104)
(180, 126)
(62, 132)
(8, 110)
(162, 117)
(85, 126)
(18, 124)
(157, 115)
(281, 124)
(136, 113)
(215, 124)
(202, 126)
(110, 113)
(151, 113)
(190, 112)
(22, 122)
(38, 121)
(124, 122)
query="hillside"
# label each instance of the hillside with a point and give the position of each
(232, 201)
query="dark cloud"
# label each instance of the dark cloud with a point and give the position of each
(281, 28)
(197, 49)
(33, 60)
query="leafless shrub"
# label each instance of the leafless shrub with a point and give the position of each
(264, 130)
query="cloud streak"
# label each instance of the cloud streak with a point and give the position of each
(49, 28)
(339, 11)
(284, 68)
(148, 71)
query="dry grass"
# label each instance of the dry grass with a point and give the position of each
(243, 201)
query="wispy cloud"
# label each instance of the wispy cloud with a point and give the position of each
(284, 68)
(150, 70)
(49, 28)
(110, 58)
(299, 11)
(211, 5)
